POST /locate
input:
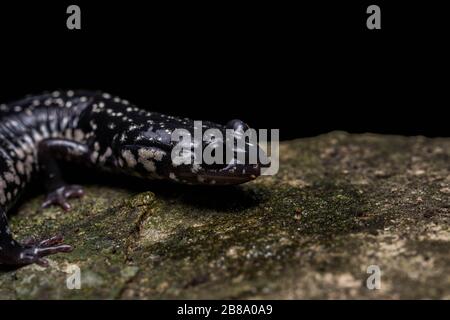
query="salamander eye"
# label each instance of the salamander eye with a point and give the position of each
(237, 125)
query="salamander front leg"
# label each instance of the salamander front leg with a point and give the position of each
(61, 195)
(51, 151)
(19, 254)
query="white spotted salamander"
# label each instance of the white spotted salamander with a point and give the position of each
(97, 130)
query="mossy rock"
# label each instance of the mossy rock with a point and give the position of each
(340, 203)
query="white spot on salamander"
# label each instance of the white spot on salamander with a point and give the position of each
(149, 165)
(78, 135)
(20, 167)
(151, 154)
(129, 158)
(106, 155)
(173, 176)
(94, 156)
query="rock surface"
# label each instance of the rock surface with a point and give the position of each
(340, 203)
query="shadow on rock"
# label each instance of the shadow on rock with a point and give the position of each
(222, 198)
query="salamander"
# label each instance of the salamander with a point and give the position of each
(96, 130)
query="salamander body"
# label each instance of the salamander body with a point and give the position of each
(100, 131)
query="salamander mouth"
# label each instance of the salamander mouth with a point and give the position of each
(233, 174)
(230, 175)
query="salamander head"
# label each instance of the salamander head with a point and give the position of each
(226, 160)
(187, 161)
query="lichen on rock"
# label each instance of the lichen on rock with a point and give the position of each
(340, 203)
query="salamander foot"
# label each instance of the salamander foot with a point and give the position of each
(59, 196)
(32, 251)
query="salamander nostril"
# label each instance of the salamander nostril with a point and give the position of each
(237, 125)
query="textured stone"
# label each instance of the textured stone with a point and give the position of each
(340, 203)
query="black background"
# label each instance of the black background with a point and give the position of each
(305, 68)
(283, 309)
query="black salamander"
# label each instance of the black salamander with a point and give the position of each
(97, 130)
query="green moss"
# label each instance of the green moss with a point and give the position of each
(339, 204)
